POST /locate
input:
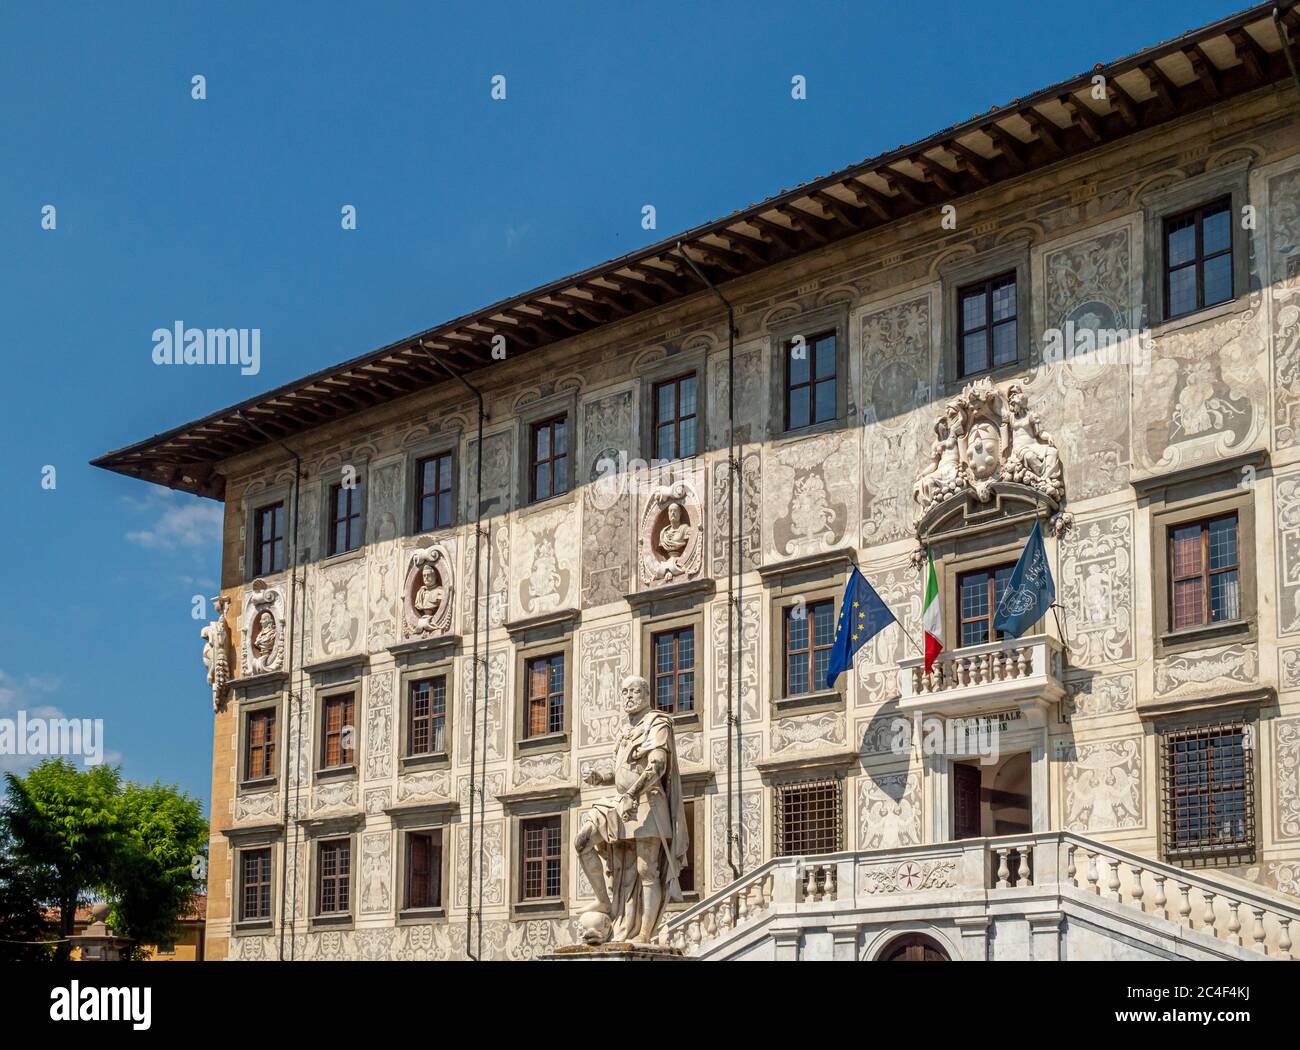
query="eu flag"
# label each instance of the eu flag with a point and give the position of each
(862, 616)
(1030, 591)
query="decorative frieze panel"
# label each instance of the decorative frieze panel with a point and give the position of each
(376, 872)
(910, 876)
(538, 769)
(745, 665)
(1204, 395)
(489, 860)
(1089, 292)
(1103, 786)
(336, 794)
(433, 785)
(748, 851)
(1098, 695)
(340, 607)
(494, 574)
(606, 500)
(820, 732)
(217, 653)
(1286, 502)
(473, 703)
(749, 547)
(498, 470)
(1283, 212)
(750, 751)
(379, 725)
(545, 545)
(1097, 590)
(811, 495)
(1286, 777)
(604, 660)
(1288, 668)
(889, 810)
(253, 807)
(1223, 667)
(383, 517)
(751, 397)
(898, 349)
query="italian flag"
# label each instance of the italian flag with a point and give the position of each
(931, 620)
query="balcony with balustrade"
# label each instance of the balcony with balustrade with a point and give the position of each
(1017, 672)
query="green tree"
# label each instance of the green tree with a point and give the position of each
(23, 925)
(153, 879)
(63, 823)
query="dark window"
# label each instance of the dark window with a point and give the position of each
(345, 517)
(545, 678)
(674, 657)
(540, 845)
(1198, 258)
(809, 638)
(424, 869)
(686, 877)
(433, 492)
(1204, 572)
(549, 464)
(268, 539)
(427, 726)
(338, 739)
(986, 324)
(978, 595)
(259, 751)
(675, 431)
(254, 884)
(809, 818)
(1209, 791)
(810, 392)
(332, 887)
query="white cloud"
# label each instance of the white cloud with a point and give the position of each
(178, 521)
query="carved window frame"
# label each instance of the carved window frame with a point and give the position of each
(248, 708)
(1010, 258)
(546, 643)
(334, 919)
(563, 404)
(780, 334)
(1209, 492)
(674, 366)
(547, 907)
(784, 592)
(407, 915)
(443, 667)
(241, 842)
(323, 693)
(280, 493)
(1231, 181)
(447, 444)
(683, 721)
(328, 479)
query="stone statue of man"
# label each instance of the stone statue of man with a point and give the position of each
(633, 848)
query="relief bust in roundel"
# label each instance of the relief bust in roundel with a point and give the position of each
(427, 593)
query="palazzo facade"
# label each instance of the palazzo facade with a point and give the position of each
(1103, 337)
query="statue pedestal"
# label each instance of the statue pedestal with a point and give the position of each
(616, 951)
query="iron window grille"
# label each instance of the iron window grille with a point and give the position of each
(1208, 789)
(810, 817)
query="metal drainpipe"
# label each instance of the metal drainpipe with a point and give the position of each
(1285, 37)
(473, 726)
(734, 585)
(292, 765)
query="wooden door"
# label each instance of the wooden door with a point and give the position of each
(965, 801)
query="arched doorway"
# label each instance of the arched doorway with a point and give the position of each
(913, 947)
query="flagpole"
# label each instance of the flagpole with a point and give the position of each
(1056, 607)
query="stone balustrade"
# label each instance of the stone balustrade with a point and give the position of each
(984, 675)
(1048, 870)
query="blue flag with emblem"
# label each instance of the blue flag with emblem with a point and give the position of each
(862, 616)
(1030, 591)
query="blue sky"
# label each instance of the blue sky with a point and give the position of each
(225, 213)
